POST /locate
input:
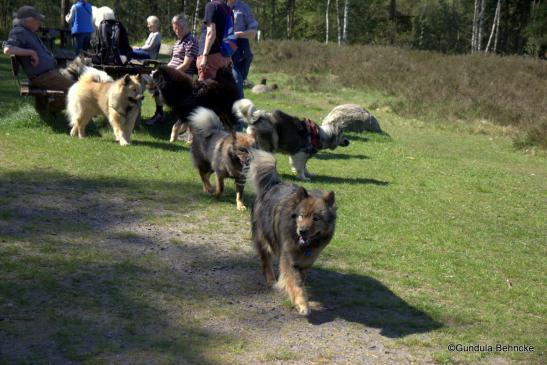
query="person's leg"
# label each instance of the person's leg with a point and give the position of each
(79, 42)
(139, 54)
(237, 68)
(52, 80)
(86, 41)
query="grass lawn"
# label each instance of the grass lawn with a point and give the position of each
(114, 255)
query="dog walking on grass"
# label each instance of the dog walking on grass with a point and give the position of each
(290, 222)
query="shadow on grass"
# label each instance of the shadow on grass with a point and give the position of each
(339, 156)
(161, 130)
(68, 294)
(167, 146)
(365, 300)
(337, 180)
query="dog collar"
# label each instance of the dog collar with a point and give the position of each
(314, 131)
(308, 252)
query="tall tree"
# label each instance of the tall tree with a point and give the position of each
(327, 22)
(345, 30)
(196, 15)
(495, 28)
(290, 18)
(338, 23)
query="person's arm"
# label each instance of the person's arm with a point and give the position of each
(70, 16)
(209, 40)
(251, 25)
(186, 64)
(23, 52)
(151, 41)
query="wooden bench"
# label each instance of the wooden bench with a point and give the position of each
(45, 100)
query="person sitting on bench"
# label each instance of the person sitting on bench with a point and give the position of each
(38, 62)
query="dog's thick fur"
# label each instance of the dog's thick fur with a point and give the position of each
(119, 101)
(289, 222)
(80, 66)
(183, 95)
(216, 150)
(278, 131)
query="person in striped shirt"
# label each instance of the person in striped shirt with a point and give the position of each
(183, 58)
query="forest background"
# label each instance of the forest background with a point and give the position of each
(448, 26)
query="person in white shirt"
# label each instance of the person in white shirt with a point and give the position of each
(151, 47)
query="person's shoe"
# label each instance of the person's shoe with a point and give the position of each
(156, 119)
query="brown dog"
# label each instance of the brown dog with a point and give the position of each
(289, 222)
(216, 150)
(118, 100)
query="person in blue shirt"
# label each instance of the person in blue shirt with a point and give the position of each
(81, 19)
(245, 27)
(37, 61)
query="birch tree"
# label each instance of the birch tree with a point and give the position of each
(339, 34)
(196, 15)
(495, 28)
(345, 30)
(327, 23)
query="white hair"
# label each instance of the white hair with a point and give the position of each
(180, 19)
(152, 19)
(102, 13)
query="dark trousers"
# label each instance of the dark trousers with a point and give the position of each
(241, 62)
(82, 42)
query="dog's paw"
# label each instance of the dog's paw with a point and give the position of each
(303, 177)
(241, 206)
(124, 143)
(303, 310)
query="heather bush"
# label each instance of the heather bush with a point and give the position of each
(508, 91)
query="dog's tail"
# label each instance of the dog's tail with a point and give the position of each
(262, 171)
(94, 75)
(204, 122)
(245, 109)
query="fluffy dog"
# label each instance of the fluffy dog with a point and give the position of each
(289, 222)
(183, 95)
(300, 138)
(119, 101)
(80, 66)
(216, 150)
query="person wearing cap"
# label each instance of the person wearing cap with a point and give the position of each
(245, 27)
(81, 19)
(38, 62)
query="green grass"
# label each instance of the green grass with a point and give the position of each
(435, 220)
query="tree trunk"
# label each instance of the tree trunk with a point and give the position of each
(327, 23)
(474, 31)
(338, 23)
(495, 25)
(392, 10)
(345, 30)
(196, 15)
(272, 21)
(480, 27)
(290, 18)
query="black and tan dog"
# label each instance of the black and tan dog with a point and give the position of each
(183, 95)
(216, 150)
(299, 138)
(289, 222)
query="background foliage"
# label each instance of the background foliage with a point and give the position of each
(438, 25)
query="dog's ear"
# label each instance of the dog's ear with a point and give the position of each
(126, 79)
(329, 198)
(301, 193)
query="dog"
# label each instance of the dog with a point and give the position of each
(262, 88)
(299, 138)
(183, 95)
(80, 66)
(289, 222)
(118, 100)
(216, 150)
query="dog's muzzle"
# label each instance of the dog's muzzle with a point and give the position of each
(344, 143)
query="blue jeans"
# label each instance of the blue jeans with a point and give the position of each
(82, 42)
(139, 54)
(241, 62)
